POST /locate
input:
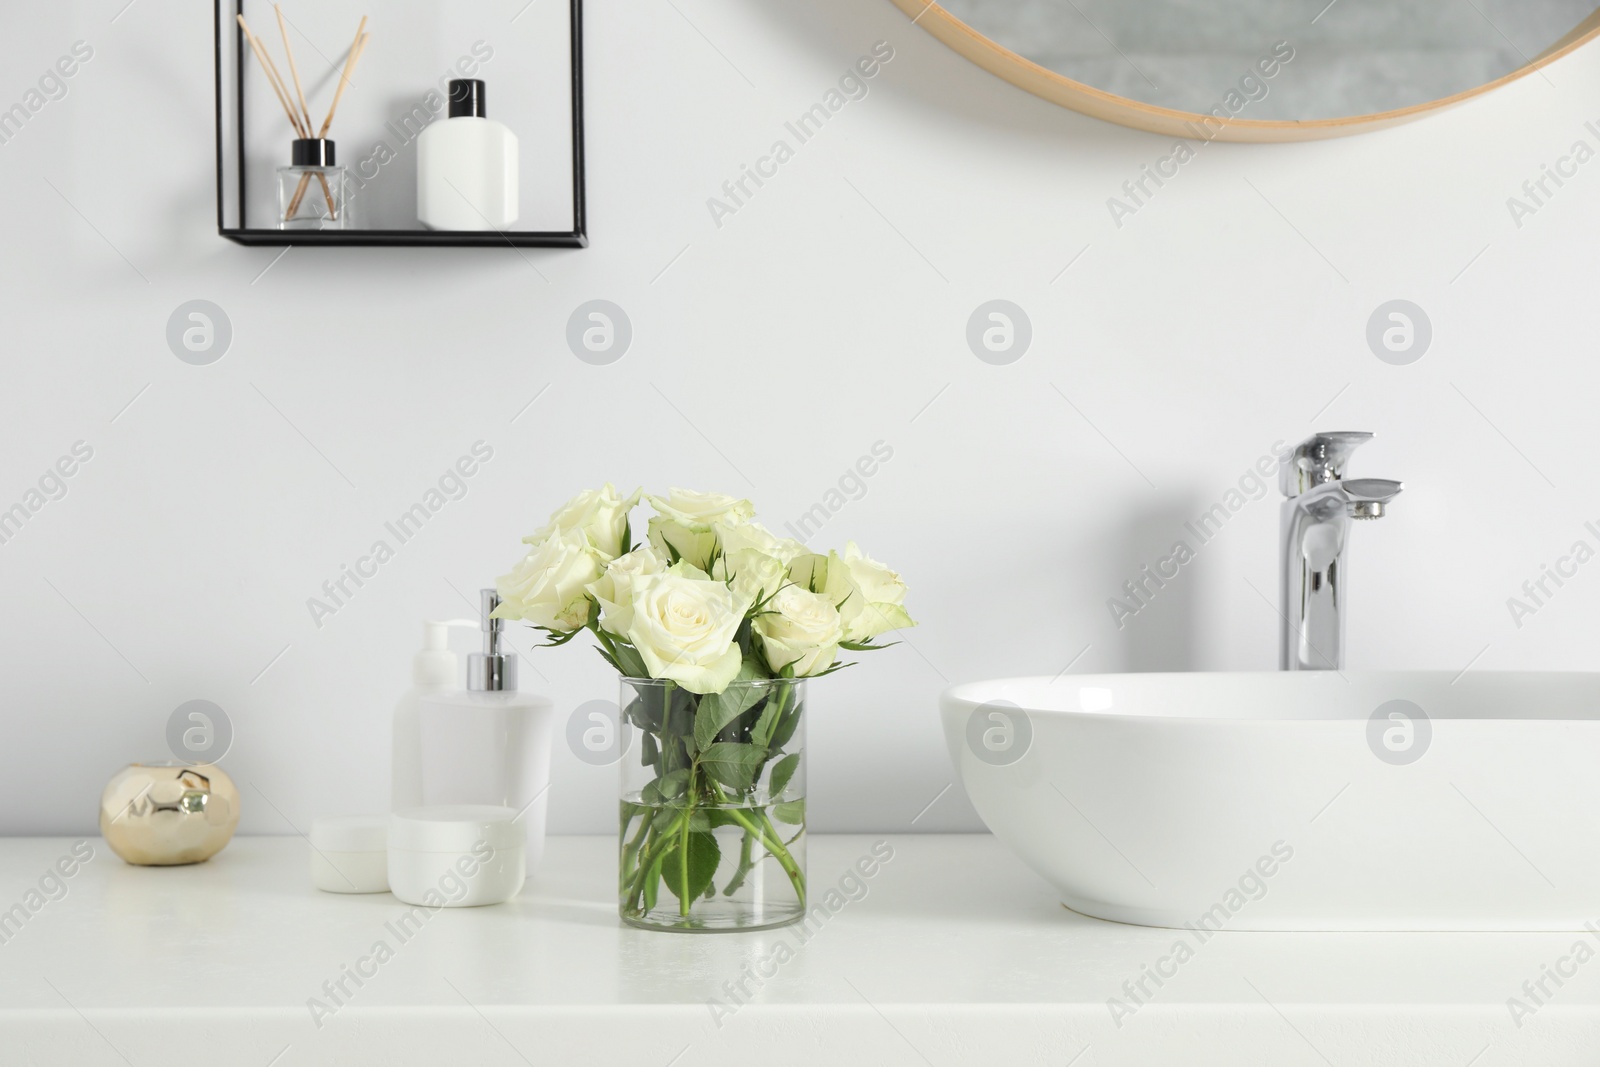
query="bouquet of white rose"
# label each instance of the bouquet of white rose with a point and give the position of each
(713, 622)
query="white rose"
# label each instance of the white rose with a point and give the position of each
(735, 537)
(809, 570)
(870, 597)
(614, 589)
(684, 523)
(548, 587)
(755, 561)
(599, 514)
(799, 629)
(752, 574)
(685, 626)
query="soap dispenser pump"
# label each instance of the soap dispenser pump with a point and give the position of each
(492, 670)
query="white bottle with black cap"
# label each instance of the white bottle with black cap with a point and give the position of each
(467, 166)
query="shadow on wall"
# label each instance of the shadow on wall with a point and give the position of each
(384, 175)
(1152, 593)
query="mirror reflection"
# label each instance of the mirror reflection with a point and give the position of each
(1293, 60)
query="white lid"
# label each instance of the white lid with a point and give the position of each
(350, 833)
(435, 665)
(455, 828)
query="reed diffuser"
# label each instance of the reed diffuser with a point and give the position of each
(312, 156)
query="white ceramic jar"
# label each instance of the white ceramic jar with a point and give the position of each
(456, 855)
(349, 854)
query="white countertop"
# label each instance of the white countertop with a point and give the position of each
(954, 954)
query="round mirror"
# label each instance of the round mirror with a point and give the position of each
(1258, 70)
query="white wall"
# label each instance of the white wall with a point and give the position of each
(828, 314)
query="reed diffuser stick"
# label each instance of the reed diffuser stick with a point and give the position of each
(293, 70)
(300, 120)
(270, 73)
(300, 191)
(281, 91)
(294, 116)
(299, 194)
(357, 46)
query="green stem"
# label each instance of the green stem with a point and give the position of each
(648, 857)
(656, 843)
(771, 842)
(683, 851)
(630, 850)
(652, 884)
(773, 830)
(745, 865)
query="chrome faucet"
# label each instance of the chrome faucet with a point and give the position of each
(1316, 531)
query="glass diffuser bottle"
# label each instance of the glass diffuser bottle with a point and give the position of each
(313, 189)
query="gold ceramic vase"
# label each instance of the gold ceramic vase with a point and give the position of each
(166, 814)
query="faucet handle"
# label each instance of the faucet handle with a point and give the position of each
(1317, 460)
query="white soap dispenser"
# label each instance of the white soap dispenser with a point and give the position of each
(467, 173)
(434, 670)
(487, 746)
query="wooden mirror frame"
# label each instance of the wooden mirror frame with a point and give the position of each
(1189, 125)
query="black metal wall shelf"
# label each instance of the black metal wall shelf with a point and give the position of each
(227, 30)
(418, 238)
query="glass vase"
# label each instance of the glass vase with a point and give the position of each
(713, 810)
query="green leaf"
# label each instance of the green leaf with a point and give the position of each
(782, 771)
(557, 638)
(688, 874)
(792, 812)
(835, 669)
(629, 662)
(664, 788)
(786, 727)
(673, 756)
(761, 732)
(650, 754)
(713, 714)
(717, 710)
(777, 703)
(647, 710)
(731, 764)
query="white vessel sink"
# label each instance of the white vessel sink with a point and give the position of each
(1258, 801)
